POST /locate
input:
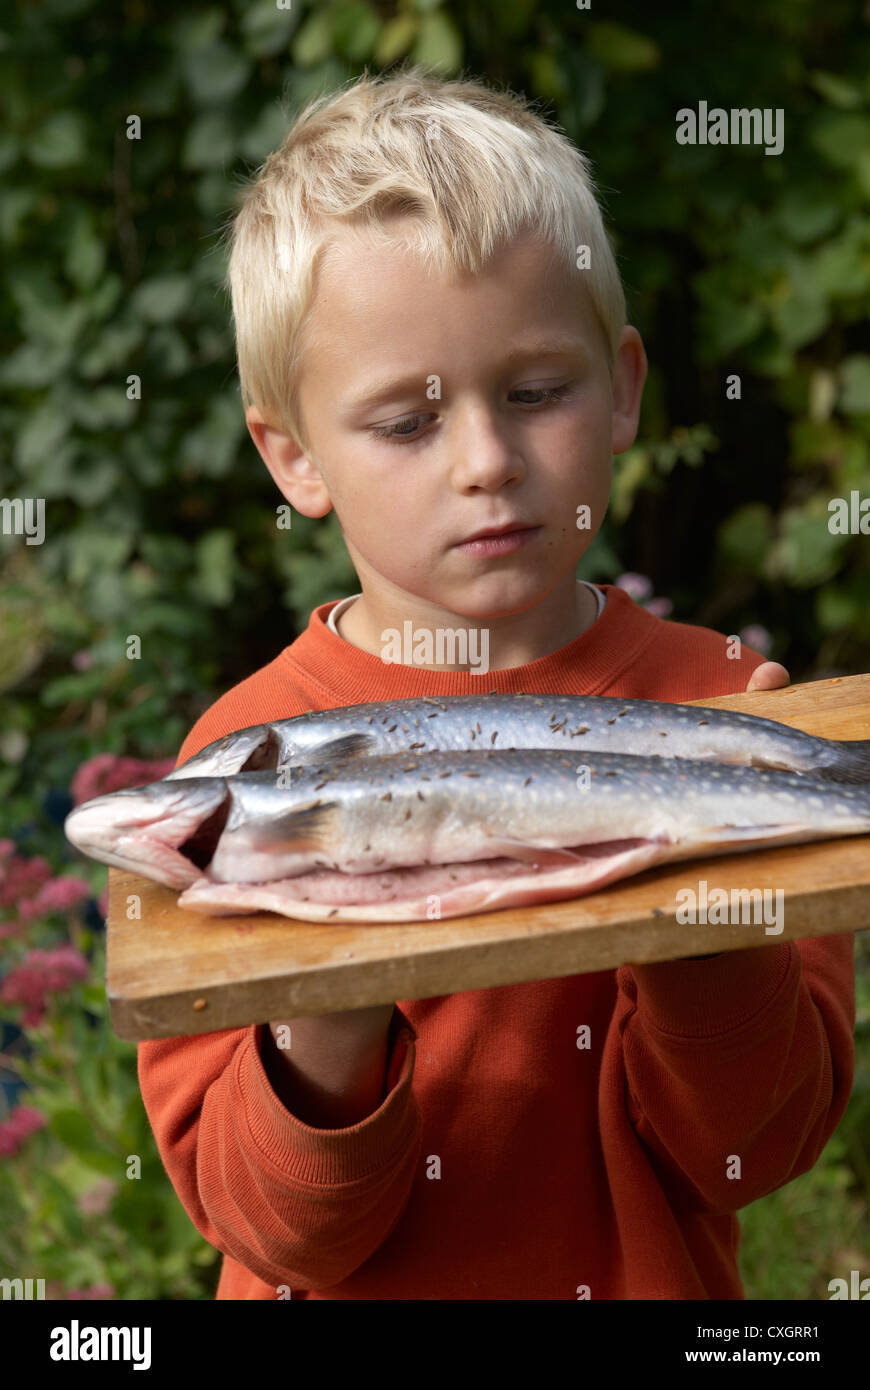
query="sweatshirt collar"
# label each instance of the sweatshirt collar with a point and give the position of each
(590, 664)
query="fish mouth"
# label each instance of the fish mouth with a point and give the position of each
(170, 839)
(198, 849)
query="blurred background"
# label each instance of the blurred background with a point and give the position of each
(160, 517)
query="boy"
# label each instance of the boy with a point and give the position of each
(419, 349)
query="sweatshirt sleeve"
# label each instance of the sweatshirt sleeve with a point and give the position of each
(738, 1068)
(296, 1205)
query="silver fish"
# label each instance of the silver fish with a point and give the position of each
(374, 839)
(572, 723)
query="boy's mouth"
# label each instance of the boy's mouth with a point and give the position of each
(492, 544)
(507, 529)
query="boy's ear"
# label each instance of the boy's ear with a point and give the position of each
(629, 376)
(293, 469)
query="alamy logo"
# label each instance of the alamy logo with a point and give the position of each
(740, 126)
(102, 1344)
(23, 517)
(22, 1288)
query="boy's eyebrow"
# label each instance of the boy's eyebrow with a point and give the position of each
(384, 388)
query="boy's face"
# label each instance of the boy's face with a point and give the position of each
(462, 372)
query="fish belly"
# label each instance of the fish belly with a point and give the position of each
(430, 892)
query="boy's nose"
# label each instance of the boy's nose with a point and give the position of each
(483, 452)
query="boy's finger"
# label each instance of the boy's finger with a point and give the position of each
(770, 675)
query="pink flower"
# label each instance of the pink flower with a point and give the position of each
(637, 585)
(22, 1122)
(659, 607)
(40, 974)
(82, 661)
(98, 1198)
(758, 637)
(96, 1291)
(20, 875)
(109, 773)
(58, 895)
(7, 847)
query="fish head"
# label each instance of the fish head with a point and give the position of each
(166, 830)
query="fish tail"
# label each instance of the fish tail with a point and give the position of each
(850, 763)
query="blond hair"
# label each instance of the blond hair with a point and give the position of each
(472, 167)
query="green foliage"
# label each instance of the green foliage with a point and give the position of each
(160, 519)
(83, 1079)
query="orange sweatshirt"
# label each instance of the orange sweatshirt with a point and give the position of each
(561, 1169)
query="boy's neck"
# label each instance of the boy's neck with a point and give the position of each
(356, 626)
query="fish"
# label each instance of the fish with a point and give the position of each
(650, 728)
(384, 838)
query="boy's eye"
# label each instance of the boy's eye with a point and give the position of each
(396, 431)
(547, 395)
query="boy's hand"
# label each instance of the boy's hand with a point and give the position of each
(770, 675)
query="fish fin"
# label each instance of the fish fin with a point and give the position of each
(342, 749)
(726, 834)
(307, 828)
(511, 848)
(852, 761)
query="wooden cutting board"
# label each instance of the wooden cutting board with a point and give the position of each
(174, 972)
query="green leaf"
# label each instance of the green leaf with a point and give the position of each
(841, 139)
(805, 552)
(745, 535)
(266, 29)
(396, 38)
(211, 449)
(213, 582)
(93, 481)
(91, 550)
(355, 28)
(835, 89)
(10, 148)
(438, 44)
(209, 142)
(802, 316)
(113, 347)
(60, 141)
(726, 326)
(620, 48)
(548, 76)
(83, 685)
(855, 390)
(265, 133)
(85, 256)
(192, 32)
(41, 433)
(15, 205)
(313, 43)
(33, 365)
(631, 470)
(170, 351)
(107, 407)
(217, 73)
(841, 266)
(836, 610)
(805, 213)
(585, 82)
(162, 298)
